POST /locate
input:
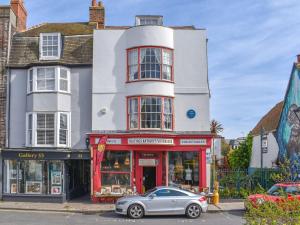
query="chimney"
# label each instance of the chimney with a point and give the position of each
(19, 9)
(298, 58)
(97, 14)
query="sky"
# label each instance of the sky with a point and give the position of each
(251, 46)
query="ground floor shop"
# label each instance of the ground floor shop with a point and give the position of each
(130, 163)
(52, 176)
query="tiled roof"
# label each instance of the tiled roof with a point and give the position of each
(66, 29)
(270, 121)
(77, 50)
(77, 42)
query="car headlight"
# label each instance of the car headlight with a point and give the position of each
(260, 201)
(121, 202)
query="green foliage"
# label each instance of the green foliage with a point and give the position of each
(240, 158)
(284, 173)
(285, 212)
(225, 148)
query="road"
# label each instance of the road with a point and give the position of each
(46, 218)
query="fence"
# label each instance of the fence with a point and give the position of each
(240, 183)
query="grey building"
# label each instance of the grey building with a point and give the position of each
(49, 111)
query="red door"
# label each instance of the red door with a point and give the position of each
(144, 163)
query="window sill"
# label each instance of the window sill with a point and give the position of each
(150, 80)
(46, 92)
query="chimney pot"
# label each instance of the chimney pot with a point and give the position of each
(298, 58)
(94, 3)
(19, 9)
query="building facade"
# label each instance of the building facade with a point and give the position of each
(269, 123)
(49, 111)
(150, 108)
(12, 18)
(289, 124)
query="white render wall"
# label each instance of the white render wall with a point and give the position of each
(110, 71)
(269, 157)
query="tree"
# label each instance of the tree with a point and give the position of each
(216, 127)
(240, 158)
(225, 148)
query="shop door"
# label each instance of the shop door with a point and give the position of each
(149, 177)
(148, 171)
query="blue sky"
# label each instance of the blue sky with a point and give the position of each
(252, 45)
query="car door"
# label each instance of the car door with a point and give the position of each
(160, 202)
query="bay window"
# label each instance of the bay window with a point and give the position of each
(150, 112)
(48, 129)
(48, 79)
(150, 63)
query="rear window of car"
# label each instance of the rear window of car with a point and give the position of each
(279, 190)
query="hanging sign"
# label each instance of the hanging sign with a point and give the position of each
(150, 141)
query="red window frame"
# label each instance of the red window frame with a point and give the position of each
(139, 112)
(139, 65)
(117, 172)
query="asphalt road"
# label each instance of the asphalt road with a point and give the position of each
(46, 218)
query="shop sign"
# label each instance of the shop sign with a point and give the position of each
(192, 141)
(27, 155)
(150, 141)
(148, 162)
(113, 141)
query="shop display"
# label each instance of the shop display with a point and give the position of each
(33, 187)
(56, 190)
(55, 178)
(13, 188)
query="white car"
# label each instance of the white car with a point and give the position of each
(163, 201)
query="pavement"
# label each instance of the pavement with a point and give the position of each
(90, 208)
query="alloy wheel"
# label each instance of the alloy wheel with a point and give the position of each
(136, 211)
(193, 211)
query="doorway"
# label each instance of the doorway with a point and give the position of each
(149, 178)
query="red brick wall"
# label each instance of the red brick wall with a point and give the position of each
(97, 15)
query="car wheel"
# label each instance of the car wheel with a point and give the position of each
(193, 211)
(135, 211)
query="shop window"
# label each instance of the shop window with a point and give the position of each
(115, 173)
(34, 177)
(150, 63)
(184, 170)
(150, 113)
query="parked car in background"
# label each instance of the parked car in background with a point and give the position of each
(163, 201)
(277, 193)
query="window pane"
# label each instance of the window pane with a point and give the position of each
(63, 74)
(45, 129)
(10, 176)
(184, 169)
(33, 177)
(150, 63)
(63, 85)
(151, 112)
(50, 45)
(116, 161)
(63, 131)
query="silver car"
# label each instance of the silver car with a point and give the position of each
(162, 201)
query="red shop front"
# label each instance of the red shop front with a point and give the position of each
(123, 164)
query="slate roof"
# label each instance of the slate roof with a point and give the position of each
(270, 121)
(77, 47)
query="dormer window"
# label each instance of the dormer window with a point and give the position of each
(148, 20)
(50, 46)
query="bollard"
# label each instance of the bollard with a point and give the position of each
(216, 197)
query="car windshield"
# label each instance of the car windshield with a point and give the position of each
(149, 192)
(279, 190)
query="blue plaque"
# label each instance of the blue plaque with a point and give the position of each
(191, 113)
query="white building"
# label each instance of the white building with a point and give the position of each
(150, 97)
(269, 123)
